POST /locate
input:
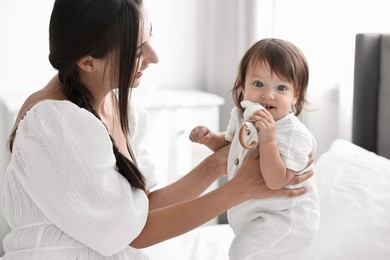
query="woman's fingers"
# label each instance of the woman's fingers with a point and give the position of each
(255, 153)
(251, 178)
(291, 192)
(311, 160)
(301, 178)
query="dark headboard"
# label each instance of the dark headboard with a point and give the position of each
(371, 101)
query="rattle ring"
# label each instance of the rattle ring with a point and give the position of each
(244, 131)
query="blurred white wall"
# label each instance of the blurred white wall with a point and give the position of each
(201, 42)
(325, 31)
(24, 26)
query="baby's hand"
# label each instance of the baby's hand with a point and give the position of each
(265, 124)
(201, 135)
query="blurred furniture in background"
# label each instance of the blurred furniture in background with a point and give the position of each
(172, 114)
(371, 109)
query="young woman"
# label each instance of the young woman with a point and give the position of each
(73, 189)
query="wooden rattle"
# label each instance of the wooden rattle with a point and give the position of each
(248, 129)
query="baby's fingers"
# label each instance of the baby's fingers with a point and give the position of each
(195, 135)
(200, 135)
(206, 138)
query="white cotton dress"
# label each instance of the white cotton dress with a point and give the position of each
(63, 197)
(277, 228)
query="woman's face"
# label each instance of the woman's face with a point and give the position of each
(145, 51)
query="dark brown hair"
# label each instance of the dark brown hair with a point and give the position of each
(98, 28)
(284, 59)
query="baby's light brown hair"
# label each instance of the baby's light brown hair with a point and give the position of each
(284, 58)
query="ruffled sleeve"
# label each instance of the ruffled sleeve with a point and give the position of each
(69, 171)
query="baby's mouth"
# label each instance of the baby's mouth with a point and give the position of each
(268, 107)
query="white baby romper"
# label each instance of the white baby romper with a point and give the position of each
(274, 228)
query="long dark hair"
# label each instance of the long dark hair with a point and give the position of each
(98, 28)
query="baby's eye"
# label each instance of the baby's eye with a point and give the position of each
(281, 88)
(259, 84)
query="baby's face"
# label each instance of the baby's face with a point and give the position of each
(267, 89)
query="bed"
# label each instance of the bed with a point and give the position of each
(353, 178)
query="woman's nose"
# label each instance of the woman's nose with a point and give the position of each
(149, 54)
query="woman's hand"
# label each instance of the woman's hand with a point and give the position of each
(251, 182)
(297, 179)
(217, 162)
(180, 201)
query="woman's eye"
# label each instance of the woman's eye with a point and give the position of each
(139, 52)
(258, 84)
(281, 88)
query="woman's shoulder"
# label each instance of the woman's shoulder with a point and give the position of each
(45, 107)
(52, 91)
(57, 110)
(58, 123)
(54, 105)
(61, 118)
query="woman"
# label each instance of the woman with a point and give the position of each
(73, 189)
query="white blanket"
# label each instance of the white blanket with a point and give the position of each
(354, 188)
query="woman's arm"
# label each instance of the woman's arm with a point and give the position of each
(192, 184)
(171, 221)
(168, 222)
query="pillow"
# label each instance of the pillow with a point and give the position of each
(354, 190)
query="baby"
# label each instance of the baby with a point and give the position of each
(269, 93)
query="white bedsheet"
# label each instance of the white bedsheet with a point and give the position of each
(354, 189)
(205, 243)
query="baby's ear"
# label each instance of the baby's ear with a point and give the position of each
(294, 101)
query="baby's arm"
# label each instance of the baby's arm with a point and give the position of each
(213, 140)
(272, 166)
